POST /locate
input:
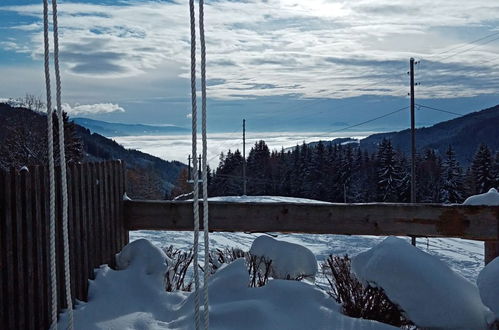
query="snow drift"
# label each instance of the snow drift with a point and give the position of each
(289, 260)
(134, 298)
(429, 292)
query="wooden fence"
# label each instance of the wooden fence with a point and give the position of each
(99, 221)
(96, 233)
(380, 219)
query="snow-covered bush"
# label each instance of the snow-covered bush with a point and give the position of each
(178, 264)
(289, 261)
(258, 267)
(488, 285)
(356, 299)
(220, 257)
(429, 292)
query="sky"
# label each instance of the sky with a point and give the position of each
(316, 65)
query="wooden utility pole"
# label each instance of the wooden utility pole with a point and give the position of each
(413, 141)
(244, 156)
(189, 168)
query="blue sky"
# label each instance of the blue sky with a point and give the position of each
(317, 65)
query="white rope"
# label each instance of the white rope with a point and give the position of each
(62, 163)
(205, 168)
(194, 165)
(50, 136)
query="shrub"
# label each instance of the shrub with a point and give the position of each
(358, 300)
(178, 264)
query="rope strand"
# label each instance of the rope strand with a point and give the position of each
(195, 167)
(50, 137)
(62, 164)
(205, 167)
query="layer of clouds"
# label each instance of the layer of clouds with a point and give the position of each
(92, 109)
(305, 49)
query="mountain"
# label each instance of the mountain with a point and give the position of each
(118, 129)
(465, 134)
(23, 133)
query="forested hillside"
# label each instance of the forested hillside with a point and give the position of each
(24, 142)
(465, 134)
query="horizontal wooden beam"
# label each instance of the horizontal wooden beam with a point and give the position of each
(426, 220)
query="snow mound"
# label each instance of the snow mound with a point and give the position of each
(488, 284)
(289, 260)
(429, 292)
(489, 198)
(143, 256)
(132, 299)
(265, 199)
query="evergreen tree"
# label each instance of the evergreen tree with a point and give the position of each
(482, 170)
(258, 170)
(452, 179)
(389, 173)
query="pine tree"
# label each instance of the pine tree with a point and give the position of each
(482, 170)
(389, 173)
(452, 179)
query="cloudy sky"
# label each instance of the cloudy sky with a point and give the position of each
(310, 65)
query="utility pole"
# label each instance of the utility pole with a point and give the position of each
(189, 168)
(244, 157)
(413, 141)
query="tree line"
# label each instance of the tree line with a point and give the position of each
(346, 173)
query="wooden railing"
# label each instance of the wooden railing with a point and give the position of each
(96, 233)
(424, 220)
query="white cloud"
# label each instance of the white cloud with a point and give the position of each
(282, 47)
(92, 109)
(189, 115)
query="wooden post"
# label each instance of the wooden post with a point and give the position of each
(491, 250)
(413, 141)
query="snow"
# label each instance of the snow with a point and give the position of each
(488, 279)
(265, 199)
(289, 260)
(489, 198)
(429, 292)
(488, 284)
(134, 298)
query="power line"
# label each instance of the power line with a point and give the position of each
(468, 49)
(466, 44)
(441, 110)
(369, 120)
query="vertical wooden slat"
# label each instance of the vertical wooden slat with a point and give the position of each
(3, 256)
(102, 220)
(9, 250)
(83, 231)
(40, 297)
(18, 249)
(45, 240)
(123, 189)
(59, 242)
(75, 243)
(112, 213)
(117, 197)
(91, 218)
(28, 260)
(96, 216)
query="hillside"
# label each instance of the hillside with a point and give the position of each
(22, 129)
(465, 134)
(116, 129)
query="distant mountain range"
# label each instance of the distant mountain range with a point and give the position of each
(118, 129)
